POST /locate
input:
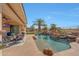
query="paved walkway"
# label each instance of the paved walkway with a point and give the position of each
(27, 49)
(0, 52)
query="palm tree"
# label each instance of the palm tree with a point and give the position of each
(39, 23)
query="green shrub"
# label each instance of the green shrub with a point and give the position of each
(2, 46)
(30, 33)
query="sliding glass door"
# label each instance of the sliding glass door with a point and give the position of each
(14, 29)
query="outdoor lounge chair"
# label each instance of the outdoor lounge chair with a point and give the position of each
(9, 39)
(19, 37)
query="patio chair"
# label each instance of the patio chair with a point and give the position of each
(19, 37)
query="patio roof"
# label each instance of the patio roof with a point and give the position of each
(16, 18)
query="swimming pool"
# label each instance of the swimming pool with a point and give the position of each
(56, 44)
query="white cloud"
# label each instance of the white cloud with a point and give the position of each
(48, 17)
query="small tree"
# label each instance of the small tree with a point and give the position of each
(54, 30)
(32, 28)
(45, 27)
(53, 27)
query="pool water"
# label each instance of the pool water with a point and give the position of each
(56, 44)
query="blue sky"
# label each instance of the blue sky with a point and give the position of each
(63, 15)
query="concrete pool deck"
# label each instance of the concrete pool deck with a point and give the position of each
(29, 48)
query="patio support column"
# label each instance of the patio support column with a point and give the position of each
(0, 22)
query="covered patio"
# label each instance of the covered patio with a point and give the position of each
(13, 22)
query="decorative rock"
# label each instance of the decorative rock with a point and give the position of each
(48, 52)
